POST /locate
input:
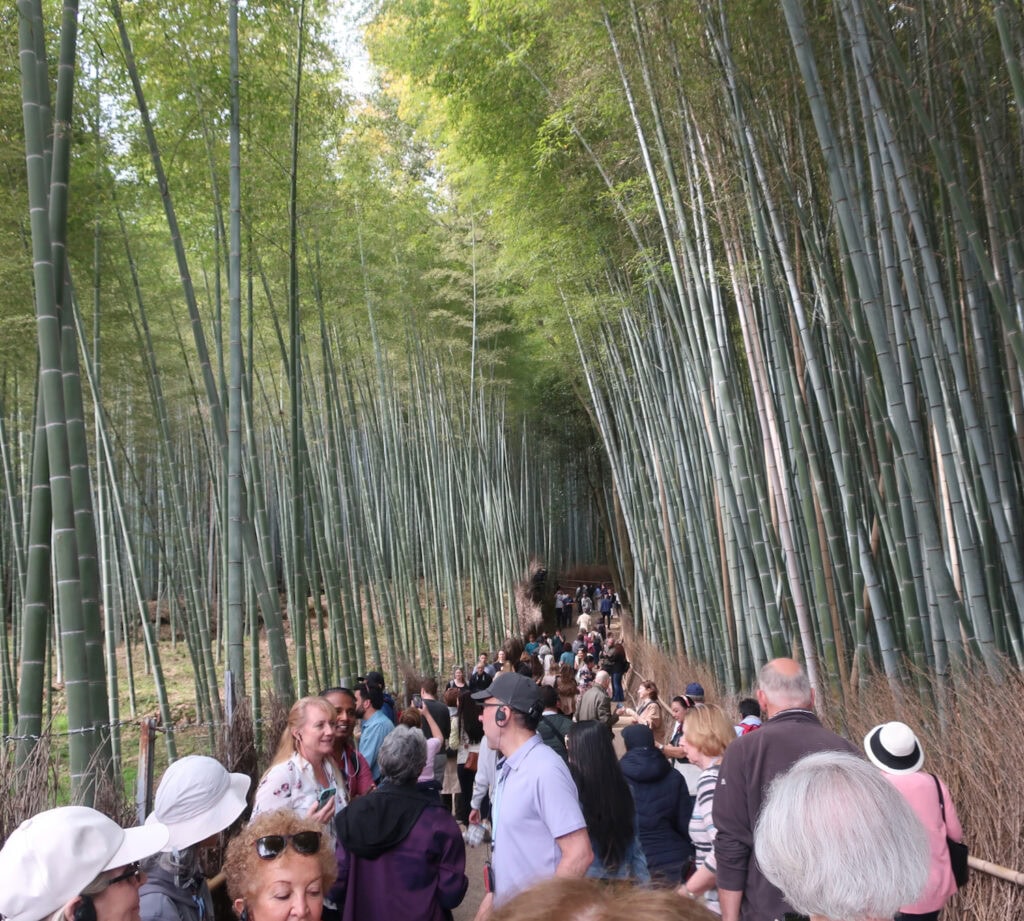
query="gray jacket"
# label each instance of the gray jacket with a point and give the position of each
(160, 899)
(595, 704)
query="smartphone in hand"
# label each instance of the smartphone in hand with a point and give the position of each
(325, 797)
(417, 702)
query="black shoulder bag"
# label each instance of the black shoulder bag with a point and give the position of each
(957, 849)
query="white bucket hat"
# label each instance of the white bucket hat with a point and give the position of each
(50, 858)
(894, 748)
(197, 797)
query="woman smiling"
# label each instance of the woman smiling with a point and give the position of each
(301, 777)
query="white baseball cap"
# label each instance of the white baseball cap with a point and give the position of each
(197, 797)
(50, 858)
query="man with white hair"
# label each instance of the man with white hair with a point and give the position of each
(790, 732)
(596, 703)
(837, 841)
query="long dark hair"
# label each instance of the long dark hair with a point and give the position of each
(470, 712)
(605, 797)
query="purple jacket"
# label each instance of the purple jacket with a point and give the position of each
(418, 878)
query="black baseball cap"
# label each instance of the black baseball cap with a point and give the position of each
(512, 689)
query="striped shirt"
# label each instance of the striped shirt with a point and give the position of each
(703, 831)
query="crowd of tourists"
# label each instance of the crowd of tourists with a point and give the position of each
(694, 809)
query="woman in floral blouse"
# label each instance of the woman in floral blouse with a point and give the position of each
(301, 777)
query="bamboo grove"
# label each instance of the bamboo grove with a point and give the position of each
(803, 351)
(392, 506)
(727, 295)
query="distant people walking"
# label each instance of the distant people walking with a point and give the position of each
(896, 751)
(605, 608)
(749, 765)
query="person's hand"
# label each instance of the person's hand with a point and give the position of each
(486, 905)
(322, 814)
(474, 817)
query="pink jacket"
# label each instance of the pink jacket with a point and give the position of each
(919, 790)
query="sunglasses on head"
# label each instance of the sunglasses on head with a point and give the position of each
(303, 842)
(132, 871)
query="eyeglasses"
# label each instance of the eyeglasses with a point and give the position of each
(132, 872)
(303, 842)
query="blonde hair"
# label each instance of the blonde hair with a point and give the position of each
(296, 720)
(708, 729)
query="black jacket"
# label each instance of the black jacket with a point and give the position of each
(663, 808)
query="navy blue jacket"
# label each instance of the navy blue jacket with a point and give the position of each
(663, 808)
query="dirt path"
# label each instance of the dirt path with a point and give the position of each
(475, 859)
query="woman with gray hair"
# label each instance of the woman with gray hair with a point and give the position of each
(400, 853)
(839, 842)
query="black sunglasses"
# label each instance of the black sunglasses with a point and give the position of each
(133, 871)
(303, 842)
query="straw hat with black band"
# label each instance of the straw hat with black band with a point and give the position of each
(894, 748)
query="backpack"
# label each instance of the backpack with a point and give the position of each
(556, 739)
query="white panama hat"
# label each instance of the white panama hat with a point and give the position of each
(50, 858)
(197, 797)
(894, 748)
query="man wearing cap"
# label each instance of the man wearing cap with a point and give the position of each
(197, 799)
(538, 827)
(695, 692)
(750, 763)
